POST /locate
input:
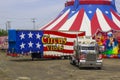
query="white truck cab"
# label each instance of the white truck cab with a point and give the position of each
(86, 53)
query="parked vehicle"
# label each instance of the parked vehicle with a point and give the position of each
(41, 44)
(87, 53)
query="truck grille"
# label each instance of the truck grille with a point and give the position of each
(91, 57)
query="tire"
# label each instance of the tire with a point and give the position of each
(72, 61)
(32, 59)
(99, 68)
(79, 65)
(62, 57)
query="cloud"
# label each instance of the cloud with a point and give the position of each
(20, 12)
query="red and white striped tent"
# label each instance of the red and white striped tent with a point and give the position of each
(86, 15)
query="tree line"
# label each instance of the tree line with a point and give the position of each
(3, 32)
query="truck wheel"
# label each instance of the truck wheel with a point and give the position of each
(62, 57)
(32, 59)
(68, 57)
(79, 65)
(72, 62)
(99, 68)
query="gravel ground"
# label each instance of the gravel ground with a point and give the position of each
(23, 67)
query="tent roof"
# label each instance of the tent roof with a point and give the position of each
(105, 2)
(88, 18)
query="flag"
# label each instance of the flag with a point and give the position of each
(47, 42)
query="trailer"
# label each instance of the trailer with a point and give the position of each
(42, 43)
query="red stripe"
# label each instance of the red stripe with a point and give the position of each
(95, 25)
(70, 43)
(116, 15)
(77, 23)
(49, 23)
(106, 2)
(60, 23)
(63, 51)
(66, 51)
(63, 34)
(111, 23)
(81, 34)
(50, 56)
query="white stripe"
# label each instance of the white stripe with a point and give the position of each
(67, 47)
(69, 32)
(116, 21)
(53, 53)
(103, 24)
(72, 32)
(86, 26)
(57, 21)
(69, 22)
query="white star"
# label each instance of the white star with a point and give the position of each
(22, 45)
(30, 52)
(38, 45)
(73, 11)
(30, 35)
(106, 12)
(30, 44)
(22, 36)
(38, 36)
(90, 12)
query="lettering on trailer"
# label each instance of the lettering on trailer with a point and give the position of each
(54, 43)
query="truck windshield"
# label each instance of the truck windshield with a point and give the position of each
(87, 48)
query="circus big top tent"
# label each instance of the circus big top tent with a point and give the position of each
(86, 15)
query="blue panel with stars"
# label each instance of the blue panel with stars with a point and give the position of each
(29, 41)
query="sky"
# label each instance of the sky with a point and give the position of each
(20, 13)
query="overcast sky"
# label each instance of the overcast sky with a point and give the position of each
(21, 12)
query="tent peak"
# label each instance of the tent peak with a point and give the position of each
(101, 2)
